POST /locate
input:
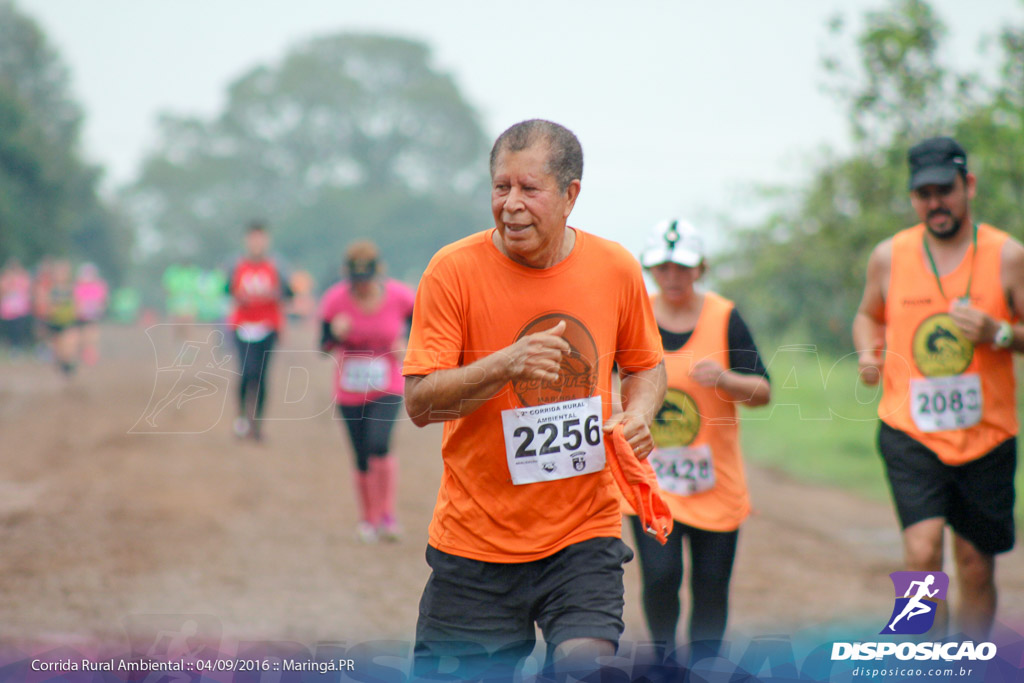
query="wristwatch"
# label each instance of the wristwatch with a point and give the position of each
(1004, 336)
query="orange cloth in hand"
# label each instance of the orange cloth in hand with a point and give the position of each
(639, 487)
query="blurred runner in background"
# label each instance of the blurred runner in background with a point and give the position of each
(212, 300)
(61, 317)
(41, 285)
(124, 305)
(181, 287)
(16, 306)
(90, 306)
(258, 288)
(365, 319)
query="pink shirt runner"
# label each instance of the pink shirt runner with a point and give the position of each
(90, 299)
(368, 366)
(15, 295)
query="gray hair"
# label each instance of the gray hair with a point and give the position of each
(565, 155)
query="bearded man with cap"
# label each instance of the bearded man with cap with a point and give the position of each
(712, 364)
(937, 325)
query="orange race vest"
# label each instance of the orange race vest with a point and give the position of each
(950, 395)
(697, 454)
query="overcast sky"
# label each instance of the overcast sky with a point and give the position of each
(680, 105)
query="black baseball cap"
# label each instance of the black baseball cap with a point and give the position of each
(936, 161)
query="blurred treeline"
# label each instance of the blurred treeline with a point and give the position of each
(798, 274)
(49, 202)
(347, 137)
(351, 136)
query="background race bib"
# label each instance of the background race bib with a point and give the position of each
(253, 332)
(360, 374)
(554, 441)
(684, 470)
(941, 403)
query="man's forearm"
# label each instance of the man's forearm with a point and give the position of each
(644, 391)
(450, 394)
(752, 390)
(868, 333)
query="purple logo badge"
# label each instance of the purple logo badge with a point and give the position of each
(917, 597)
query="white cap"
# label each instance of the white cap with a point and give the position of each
(673, 241)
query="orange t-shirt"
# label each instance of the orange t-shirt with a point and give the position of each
(473, 301)
(698, 460)
(956, 398)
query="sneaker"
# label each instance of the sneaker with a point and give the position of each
(366, 533)
(241, 427)
(390, 530)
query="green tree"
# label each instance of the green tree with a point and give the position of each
(27, 199)
(33, 70)
(49, 200)
(798, 274)
(992, 131)
(348, 136)
(898, 89)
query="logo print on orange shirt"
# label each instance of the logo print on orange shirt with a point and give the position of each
(677, 422)
(940, 348)
(578, 373)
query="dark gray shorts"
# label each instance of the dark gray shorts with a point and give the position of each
(976, 499)
(482, 614)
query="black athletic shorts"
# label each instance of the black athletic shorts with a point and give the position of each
(975, 498)
(482, 614)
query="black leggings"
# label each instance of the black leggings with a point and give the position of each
(711, 559)
(369, 427)
(252, 387)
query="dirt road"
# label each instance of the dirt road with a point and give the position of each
(111, 508)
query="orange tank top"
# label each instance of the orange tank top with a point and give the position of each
(956, 398)
(697, 454)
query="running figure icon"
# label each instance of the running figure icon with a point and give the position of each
(916, 605)
(917, 594)
(200, 370)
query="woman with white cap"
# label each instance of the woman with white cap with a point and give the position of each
(712, 364)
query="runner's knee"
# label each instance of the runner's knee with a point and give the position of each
(975, 571)
(923, 545)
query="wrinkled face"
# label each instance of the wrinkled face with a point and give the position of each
(675, 282)
(944, 208)
(529, 209)
(256, 243)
